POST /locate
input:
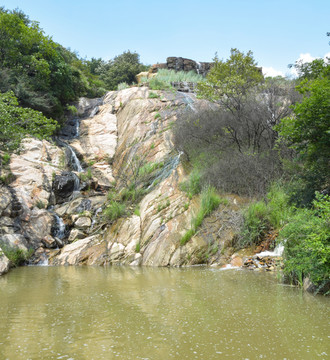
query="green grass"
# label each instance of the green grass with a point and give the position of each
(193, 185)
(122, 86)
(164, 78)
(114, 211)
(138, 247)
(150, 167)
(153, 95)
(264, 215)
(210, 200)
(17, 256)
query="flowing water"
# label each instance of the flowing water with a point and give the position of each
(146, 313)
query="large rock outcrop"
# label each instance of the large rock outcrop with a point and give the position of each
(136, 126)
(58, 212)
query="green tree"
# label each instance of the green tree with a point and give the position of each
(123, 68)
(229, 82)
(17, 122)
(307, 131)
(42, 74)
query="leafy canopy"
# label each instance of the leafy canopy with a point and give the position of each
(17, 122)
(229, 82)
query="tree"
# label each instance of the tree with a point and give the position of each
(17, 122)
(307, 131)
(123, 68)
(229, 82)
(42, 74)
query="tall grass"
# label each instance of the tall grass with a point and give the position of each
(210, 200)
(164, 78)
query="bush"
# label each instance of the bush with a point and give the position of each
(307, 244)
(193, 185)
(17, 256)
(153, 95)
(210, 200)
(256, 224)
(122, 86)
(114, 211)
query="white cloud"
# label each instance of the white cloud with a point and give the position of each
(269, 71)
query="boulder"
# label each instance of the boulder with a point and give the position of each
(64, 185)
(83, 223)
(4, 263)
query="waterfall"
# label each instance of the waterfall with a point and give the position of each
(94, 218)
(76, 127)
(189, 101)
(74, 161)
(198, 67)
(166, 170)
(94, 111)
(277, 252)
(76, 165)
(59, 228)
(43, 261)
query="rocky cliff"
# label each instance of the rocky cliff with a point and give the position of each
(57, 210)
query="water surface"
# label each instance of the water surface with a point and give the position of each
(146, 313)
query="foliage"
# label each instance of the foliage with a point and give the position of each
(16, 255)
(122, 86)
(42, 74)
(17, 122)
(307, 132)
(265, 215)
(153, 95)
(229, 82)
(210, 200)
(192, 186)
(164, 79)
(114, 211)
(307, 244)
(122, 69)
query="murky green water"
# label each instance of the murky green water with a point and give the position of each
(133, 313)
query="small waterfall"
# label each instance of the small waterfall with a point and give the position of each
(277, 252)
(198, 67)
(94, 218)
(167, 169)
(94, 111)
(189, 101)
(74, 160)
(43, 261)
(77, 127)
(59, 228)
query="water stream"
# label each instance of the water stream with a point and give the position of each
(151, 313)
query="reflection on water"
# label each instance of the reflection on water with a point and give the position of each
(145, 313)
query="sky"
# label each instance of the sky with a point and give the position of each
(278, 32)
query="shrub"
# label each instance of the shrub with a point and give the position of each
(122, 86)
(153, 95)
(256, 223)
(193, 185)
(307, 244)
(210, 200)
(16, 255)
(114, 211)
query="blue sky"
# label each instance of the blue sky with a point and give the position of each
(277, 31)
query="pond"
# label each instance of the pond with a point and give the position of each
(158, 313)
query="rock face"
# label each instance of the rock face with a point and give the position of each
(64, 185)
(121, 136)
(135, 126)
(4, 263)
(183, 64)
